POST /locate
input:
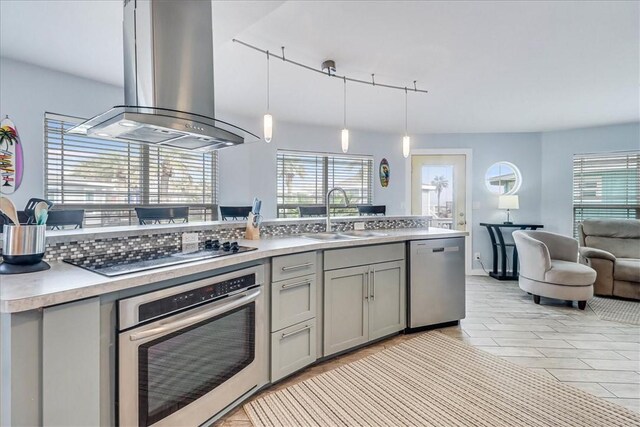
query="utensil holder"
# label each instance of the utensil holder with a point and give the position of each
(24, 244)
(252, 232)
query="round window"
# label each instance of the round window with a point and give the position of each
(503, 178)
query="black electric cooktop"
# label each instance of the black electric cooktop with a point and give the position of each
(132, 262)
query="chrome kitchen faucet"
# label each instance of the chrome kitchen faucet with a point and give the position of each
(346, 204)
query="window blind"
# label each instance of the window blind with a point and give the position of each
(304, 178)
(606, 186)
(110, 178)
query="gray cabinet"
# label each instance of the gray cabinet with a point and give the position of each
(292, 349)
(387, 300)
(293, 301)
(294, 292)
(362, 304)
(346, 322)
(296, 265)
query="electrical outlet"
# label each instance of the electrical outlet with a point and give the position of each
(189, 242)
(476, 256)
(358, 225)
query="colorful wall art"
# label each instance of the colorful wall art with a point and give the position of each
(384, 173)
(11, 158)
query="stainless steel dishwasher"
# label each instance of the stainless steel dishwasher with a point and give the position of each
(436, 282)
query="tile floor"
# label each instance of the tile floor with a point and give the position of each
(564, 343)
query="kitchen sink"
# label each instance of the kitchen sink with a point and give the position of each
(329, 236)
(363, 233)
(344, 235)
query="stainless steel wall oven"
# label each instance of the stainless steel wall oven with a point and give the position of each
(187, 352)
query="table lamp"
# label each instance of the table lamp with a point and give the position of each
(508, 202)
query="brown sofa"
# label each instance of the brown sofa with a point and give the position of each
(612, 248)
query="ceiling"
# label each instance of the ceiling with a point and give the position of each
(489, 66)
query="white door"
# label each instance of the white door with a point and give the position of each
(438, 189)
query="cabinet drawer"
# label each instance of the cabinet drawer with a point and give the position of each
(290, 266)
(364, 255)
(292, 349)
(292, 301)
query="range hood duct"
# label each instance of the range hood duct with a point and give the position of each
(168, 80)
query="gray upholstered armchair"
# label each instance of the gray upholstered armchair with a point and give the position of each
(549, 267)
(612, 248)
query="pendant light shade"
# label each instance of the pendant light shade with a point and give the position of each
(406, 141)
(268, 119)
(345, 140)
(406, 146)
(268, 127)
(345, 131)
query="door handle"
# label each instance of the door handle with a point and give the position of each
(297, 267)
(295, 285)
(235, 302)
(288, 334)
(365, 286)
(373, 284)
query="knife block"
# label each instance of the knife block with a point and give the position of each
(252, 232)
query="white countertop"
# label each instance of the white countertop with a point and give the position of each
(65, 283)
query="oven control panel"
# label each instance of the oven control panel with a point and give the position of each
(179, 301)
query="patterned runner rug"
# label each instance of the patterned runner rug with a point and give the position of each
(616, 310)
(434, 380)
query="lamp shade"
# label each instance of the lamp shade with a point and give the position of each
(508, 202)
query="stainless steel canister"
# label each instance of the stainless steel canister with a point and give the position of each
(23, 244)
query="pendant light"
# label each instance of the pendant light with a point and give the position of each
(345, 131)
(268, 119)
(406, 141)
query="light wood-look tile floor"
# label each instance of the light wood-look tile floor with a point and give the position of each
(553, 339)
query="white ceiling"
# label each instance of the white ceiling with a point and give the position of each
(489, 66)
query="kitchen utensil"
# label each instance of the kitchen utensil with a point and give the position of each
(29, 209)
(38, 210)
(23, 248)
(41, 218)
(9, 210)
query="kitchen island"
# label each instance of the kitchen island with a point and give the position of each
(59, 327)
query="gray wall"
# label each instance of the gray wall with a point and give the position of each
(27, 93)
(558, 149)
(248, 171)
(521, 149)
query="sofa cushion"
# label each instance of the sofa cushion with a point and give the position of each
(617, 228)
(627, 269)
(620, 247)
(569, 274)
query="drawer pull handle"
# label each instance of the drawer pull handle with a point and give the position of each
(437, 250)
(294, 285)
(288, 334)
(297, 267)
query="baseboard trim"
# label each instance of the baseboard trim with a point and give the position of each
(478, 272)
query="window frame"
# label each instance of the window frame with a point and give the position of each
(590, 198)
(126, 211)
(336, 209)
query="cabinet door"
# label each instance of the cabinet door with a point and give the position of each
(292, 349)
(292, 301)
(345, 309)
(387, 302)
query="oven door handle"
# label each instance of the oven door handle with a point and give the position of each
(233, 303)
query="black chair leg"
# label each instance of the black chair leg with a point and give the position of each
(582, 305)
(536, 299)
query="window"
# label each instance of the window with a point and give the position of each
(110, 178)
(304, 178)
(605, 186)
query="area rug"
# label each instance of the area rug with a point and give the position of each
(434, 380)
(616, 310)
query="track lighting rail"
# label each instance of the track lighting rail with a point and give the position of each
(329, 73)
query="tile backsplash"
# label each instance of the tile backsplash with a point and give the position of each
(123, 246)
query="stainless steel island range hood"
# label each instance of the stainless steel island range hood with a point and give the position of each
(168, 80)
